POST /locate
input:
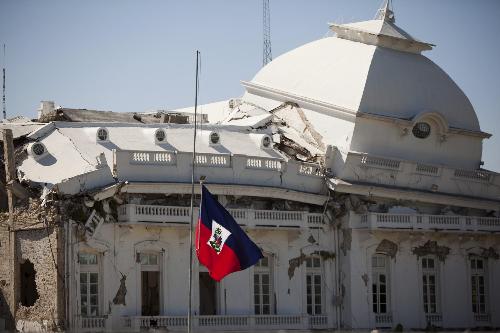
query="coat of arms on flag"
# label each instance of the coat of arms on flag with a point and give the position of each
(221, 245)
(219, 236)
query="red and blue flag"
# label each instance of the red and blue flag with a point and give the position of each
(221, 245)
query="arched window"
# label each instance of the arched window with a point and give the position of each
(263, 290)
(380, 284)
(314, 285)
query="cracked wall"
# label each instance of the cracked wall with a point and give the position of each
(39, 250)
(40, 247)
(5, 286)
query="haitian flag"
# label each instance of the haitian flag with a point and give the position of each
(221, 245)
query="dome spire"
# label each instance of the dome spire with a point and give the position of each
(385, 12)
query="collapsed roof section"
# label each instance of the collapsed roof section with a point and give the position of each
(72, 157)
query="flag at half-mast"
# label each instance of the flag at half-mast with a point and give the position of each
(221, 245)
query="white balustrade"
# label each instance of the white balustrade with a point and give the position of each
(308, 169)
(318, 321)
(424, 169)
(482, 318)
(92, 324)
(277, 320)
(213, 160)
(478, 175)
(315, 219)
(433, 318)
(380, 162)
(248, 217)
(263, 163)
(409, 174)
(426, 222)
(383, 319)
(138, 157)
(224, 322)
(488, 223)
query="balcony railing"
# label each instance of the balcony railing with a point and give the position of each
(92, 324)
(383, 320)
(433, 318)
(482, 318)
(425, 222)
(223, 168)
(247, 217)
(225, 322)
(366, 168)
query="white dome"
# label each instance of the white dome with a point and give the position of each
(369, 78)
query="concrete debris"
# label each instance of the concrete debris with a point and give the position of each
(84, 115)
(33, 215)
(294, 150)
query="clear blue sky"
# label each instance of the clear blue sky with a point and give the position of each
(139, 55)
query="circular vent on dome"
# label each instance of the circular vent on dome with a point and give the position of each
(421, 130)
(37, 150)
(102, 134)
(160, 135)
(214, 138)
(267, 142)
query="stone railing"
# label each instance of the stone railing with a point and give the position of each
(229, 322)
(383, 319)
(425, 222)
(92, 324)
(131, 213)
(223, 168)
(366, 168)
(434, 318)
(482, 318)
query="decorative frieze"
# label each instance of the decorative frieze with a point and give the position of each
(387, 247)
(432, 248)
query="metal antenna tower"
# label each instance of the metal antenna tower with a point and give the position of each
(267, 55)
(4, 107)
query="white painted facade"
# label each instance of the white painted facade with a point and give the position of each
(373, 168)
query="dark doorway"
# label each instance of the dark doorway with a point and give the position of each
(150, 293)
(208, 292)
(29, 294)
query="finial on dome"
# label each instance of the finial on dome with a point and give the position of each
(385, 13)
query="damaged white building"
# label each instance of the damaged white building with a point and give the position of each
(353, 161)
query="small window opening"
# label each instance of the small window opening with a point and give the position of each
(421, 130)
(38, 149)
(214, 138)
(102, 134)
(160, 135)
(266, 142)
(29, 293)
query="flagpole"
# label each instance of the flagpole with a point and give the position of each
(189, 323)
